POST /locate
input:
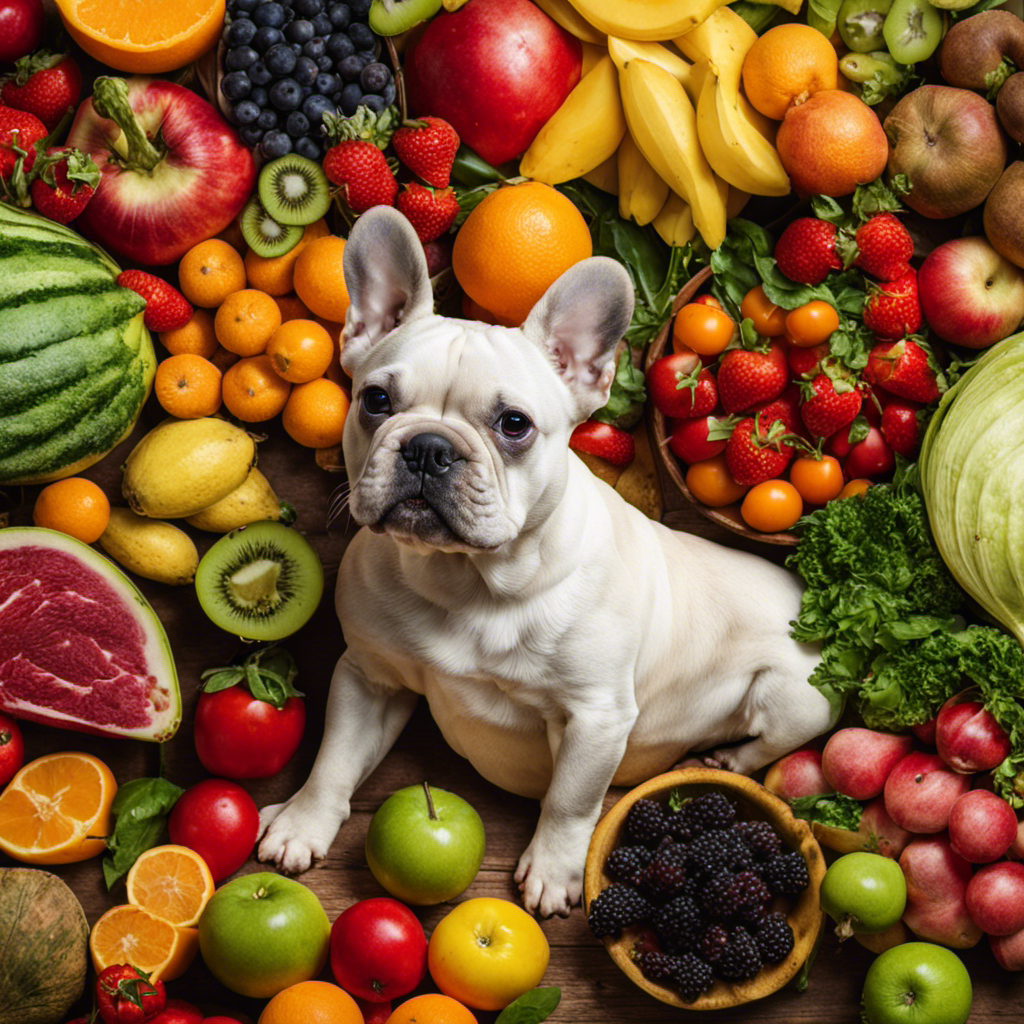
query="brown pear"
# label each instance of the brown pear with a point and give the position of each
(1003, 218)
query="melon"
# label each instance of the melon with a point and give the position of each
(80, 646)
(44, 937)
(76, 360)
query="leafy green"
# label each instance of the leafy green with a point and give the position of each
(881, 86)
(531, 1007)
(832, 809)
(626, 401)
(269, 673)
(140, 812)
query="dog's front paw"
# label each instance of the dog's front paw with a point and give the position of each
(550, 883)
(296, 835)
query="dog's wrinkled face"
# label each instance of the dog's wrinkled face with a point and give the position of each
(458, 434)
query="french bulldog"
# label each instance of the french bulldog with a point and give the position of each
(563, 640)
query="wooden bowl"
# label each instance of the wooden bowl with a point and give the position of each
(727, 516)
(753, 802)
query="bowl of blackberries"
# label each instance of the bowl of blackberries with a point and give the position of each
(704, 888)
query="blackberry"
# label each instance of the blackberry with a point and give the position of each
(774, 938)
(656, 965)
(739, 959)
(615, 908)
(710, 811)
(678, 923)
(720, 899)
(712, 941)
(711, 853)
(753, 897)
(762, 840)
(627, 863)
(786, 874)
(692, 976)
(666, 873)
(646, 823)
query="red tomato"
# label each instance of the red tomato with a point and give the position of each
(679, 387)
(126, 995)
(219, 820)
(689, 440)
(378, 949)
(12, 749)
(22, 23)
(177, 1011)
(707, 299)
(871, 457)
(238, 736)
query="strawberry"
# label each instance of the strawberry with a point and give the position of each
(430, 211)
(689, 439)
(18, 130)
(607, 442)
(892, 310)
(362, 172)
(828, 405)
(63, 182)
(756, 451)
(805, 362)
(785, 408)
(903, 368)
(746, 377)
(806, 250)
(884, 247)
(427, 146)
(45, 84)
(900, 427)
(166, 308)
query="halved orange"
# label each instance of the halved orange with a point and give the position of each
(147, 38)
(56, 810)
(131, 935)
(172, 882)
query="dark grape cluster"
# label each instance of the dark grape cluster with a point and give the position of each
(706, 884)
(287, 62)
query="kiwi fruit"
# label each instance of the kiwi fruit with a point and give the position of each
(860, 24)
(261, 582)
(294, 189)
(913, 30)
(393, 17)
(264, 235)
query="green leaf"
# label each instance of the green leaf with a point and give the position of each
(625, 403)
(832, 809)
(531, 1007)
(268, 672)
(140, 811)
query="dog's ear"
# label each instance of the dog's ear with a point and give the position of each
(387, 280)
(579, 322)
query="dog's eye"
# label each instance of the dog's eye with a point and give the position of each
(376, 401)
(514, 424)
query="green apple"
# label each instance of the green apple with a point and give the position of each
(917, 983)
(262, 932)
(864, 893)
(425, 845)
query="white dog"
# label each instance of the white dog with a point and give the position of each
(563, 640)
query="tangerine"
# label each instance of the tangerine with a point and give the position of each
(786, 65)
(188, 386)
(210, 271)
(312, 1002)
(320, 278)
(197, 337)
(253, 391)
(275, 274)
(246, 320)
(431, 1008)
(301, 350)
(74, 506)
(315, 412)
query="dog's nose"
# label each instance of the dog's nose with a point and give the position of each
(431, 454)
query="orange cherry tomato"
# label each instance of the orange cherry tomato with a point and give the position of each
(769, 319)
(817, 480)
(812, 323)
(711, 483)
(772, 506)
(707, 299)
(855, 487)
(702, 329)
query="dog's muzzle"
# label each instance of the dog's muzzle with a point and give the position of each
(429, 455)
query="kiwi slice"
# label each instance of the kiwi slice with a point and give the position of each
(393, 17)
(262, 581)
(294, 189)
(264, 235)
(913, 30)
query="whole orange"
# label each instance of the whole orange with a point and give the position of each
(312, 1002)
(788, 64)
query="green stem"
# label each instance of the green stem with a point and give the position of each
(110, 98)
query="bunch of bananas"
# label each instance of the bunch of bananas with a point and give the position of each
(658, 117)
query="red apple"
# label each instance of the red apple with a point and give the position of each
(797, 774)
(970, 295)
(1016, 850)
(982, 826)
(856, 762)
(968, 737)
(496, 70)
(920, 791)
(995, 898)
(925, 731)
(174, 172)
(1008, 950)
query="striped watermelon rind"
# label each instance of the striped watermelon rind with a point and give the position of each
(76, 360)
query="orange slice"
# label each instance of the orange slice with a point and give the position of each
(56, 810)
(172, 882)
(148, 38)
(131, 935)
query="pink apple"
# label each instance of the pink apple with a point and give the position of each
(995, 898)
(937, 880)
(968, 737)
(797, 774)
(1008, 950)
(1016, 850)
(970, 295)
(856, 761)
(982, 826)
(920, 791)
(496, 70)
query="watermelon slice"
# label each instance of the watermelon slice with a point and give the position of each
(80, 647)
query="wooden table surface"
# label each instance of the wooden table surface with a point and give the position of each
(593, 989)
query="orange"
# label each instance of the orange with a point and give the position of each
(771, 506)
(245, 321)
(301, 350)
(515, 244)
(431, 1008)
(314, 414)
(786, 65)
(312, 1002)
(320, 278)
(292, 308)
(172, 882)
(196, 337)
(149, 38)
(252, 391)
(74, 506)
(56, 810)
(275, 274)
(222, 359)
(127, 934)
(210, 271)
(335, 371)
(187, 386)
(831, 144)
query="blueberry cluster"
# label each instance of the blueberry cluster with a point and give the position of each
(706, 884)
(287, 62)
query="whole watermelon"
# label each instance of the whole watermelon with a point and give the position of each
(76, 360)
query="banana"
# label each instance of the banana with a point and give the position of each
(663, 124)
(723, 38)
(563, 13)
(654, 20)
(674, 222)
(605, 176)
(622, 50)
(592, 53)
(582, 133)
(642, 191)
